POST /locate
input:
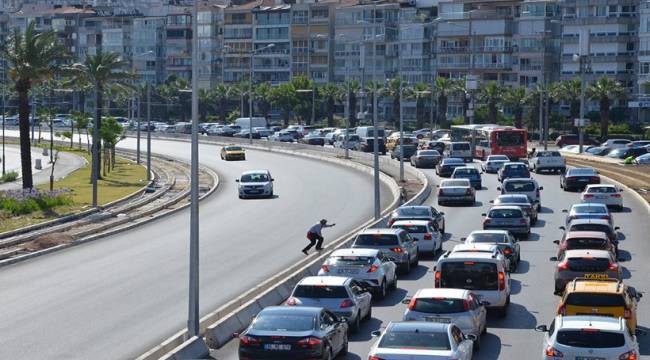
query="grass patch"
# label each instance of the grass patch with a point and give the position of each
(9, 177)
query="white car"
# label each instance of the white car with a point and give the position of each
(616, 143)
(456, 191)
(588, 337)
(369, 265)
(353, 141)
(424, 232)
(493, 163)
(255, 183)
(458, 306)
(547, 161)
(282, 136)
(423, 340)
(527, 186)
(607, 194)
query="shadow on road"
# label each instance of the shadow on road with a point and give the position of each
(490, 347)
(532, 237)
(644, 340)
(393, 298)
(625, 273)
(523, 267)
(515, 286)
(546, 210)
(625, 255)
(366, 328)
(518, 317)
(540, 223)
(416, 273)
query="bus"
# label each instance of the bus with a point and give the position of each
(492, 139)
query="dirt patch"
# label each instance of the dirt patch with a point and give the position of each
(636, 177)
(48, 241)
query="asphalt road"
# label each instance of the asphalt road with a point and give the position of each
(532, 302)
(117, 297)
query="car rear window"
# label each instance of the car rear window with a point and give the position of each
(520, 186)
(470, 275)
(581, 172)
(513, 199)
(505, 214)
(465, 172)
(439, 305)
(415, 340)
(486, 238)
(587, 264)
(601, 190)
(376, 240)
(351, 260)
(548, 154)
(588, 338)
(589, 209)
(586, 243)
(460, 146)
(320, 292)
(594, 299)
(412, 229)
(278, 322)
(413, 211)
(590, 227)
(429, 153)
(454, 183)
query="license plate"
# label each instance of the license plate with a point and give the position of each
(596, 276)
(279, 347)
(438, 319)
(583, 180)
(348, 271)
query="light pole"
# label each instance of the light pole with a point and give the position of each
(138, 112)
(148, 132)
(3, 131)
(250, 91)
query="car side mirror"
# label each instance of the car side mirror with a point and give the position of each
(621, 259)
(441, 213)
(541, 328)
(471, 337)
(437, 186)
(272, 179)
(375, 333)
(483, 214)
(556, 242)
(406, 301)
(565, 211)
(236, 180)
(499, 188)
(541, 188)
(617, 228)
(562, 228)
(553, 258)
(485, 303)
(463, 239)
(491, 201)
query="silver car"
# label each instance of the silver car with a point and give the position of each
(511, 218)
(458, 306)
(368, 265)
(396, 244)
(425, 232)
(456, 191)
(255, 183)
(526, 186)
(343, 296)
(494, 162)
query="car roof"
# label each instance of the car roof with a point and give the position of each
(505, 207)
(587, 253)
(324, 280)
(461, 255)
(523, 197)
(292, 310)
(413, 326)
(579, 322)
(249, 172)
(466, 168)
(381, 231)
(519, 179)
(602, 185)
(589, 205)
(445, 181)
(441, 293)
(355, 252)
(585, 234)
(503, 232)
(611, 286)
(411, 222)
(514, 163)
(428, 208)
(453, 160)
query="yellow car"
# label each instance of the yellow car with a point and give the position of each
(232, 152)
(609, 297)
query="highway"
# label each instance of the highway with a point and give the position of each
(117, 297)
(533, 302)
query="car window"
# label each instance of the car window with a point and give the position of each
(320, 292)
(326, 320)
(595, 299)
(490, 238)
(505, 213)
(283, 322)
(460, 146)
(429, 153)
(413, 211)
(519, 186)
(376, 239)
(586, 243)
(591, 227)
(254, 178)
(462, 183)
(469, 275)
(601, 190)
(551, 328)
(438, 305)
(351, 260)
(415, 340)
(412, 229)
(590, 338)
(581, 172)
(589, 209)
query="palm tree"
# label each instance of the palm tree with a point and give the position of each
(284, 97)
(605, 90)
(392, 90)
(330, 94)
(443, 88)
(303, 103)
(206, 103)
(373, 88)
(420, 93)
(516, 98)
(567, 91)
(241, 89)
(490, 94)
(222, 93)
(34, 58)
(459, 89)
(80, 121)
(352, 88)
(262, 93)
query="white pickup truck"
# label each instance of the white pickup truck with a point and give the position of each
(547, 161)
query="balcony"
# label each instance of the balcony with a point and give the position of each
(459, 65)
(453, 50)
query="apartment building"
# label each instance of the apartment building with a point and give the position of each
(238, 41)
(210, 38)
(179, 43)
(642, 88)
(271, 25)
(149, 39)
(312, 39)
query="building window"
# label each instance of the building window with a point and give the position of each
(320, 13)
(644, 68)
(300, 16)
(601, 10)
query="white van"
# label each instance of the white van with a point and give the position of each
(459, 149)
(245, 123)
(485, 273)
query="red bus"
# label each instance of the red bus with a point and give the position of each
(491, 139)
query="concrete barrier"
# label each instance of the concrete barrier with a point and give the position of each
(193, 348)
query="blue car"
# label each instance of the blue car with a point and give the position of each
(470, 173)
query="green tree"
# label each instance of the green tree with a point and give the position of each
(491, 94)
(33, 57)
(284, 97)
(241, 89)
(567, 91)
(420, 93)
(80, 121)
(352, 87)
(330, 94)
(303, 105)
(516, 99)
(372, 89)
(392, 90)
(222, 94)
(605, 90)
(460, 90)
(111, 133)
(443, 88)
(263, 98)
(206, 103)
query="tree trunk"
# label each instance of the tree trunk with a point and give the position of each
(604, 118)
(79, 131)
(330, 112)
(113, 158)
(22, 87)
(285, 120)
(519, 112)
(97, 143)
(352, 109)
(419, 116)
(442, 110)
(465, 108)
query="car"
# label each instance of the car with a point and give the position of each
(371, 266)
(426, 158)
(493, 163)
(609, 297)
(397, 244)
(506, 243)
(484, 273)
(599, 150)
(524, 186)
(422, 133)
(513, 170)
(578, 178)
(393, 140)
(594, 225)
(403, 152)
(446, 167)
(255, 183)
(607, 194)
(229, 130)
(433, 145)
(425, 232)
(521, 200)
(470, 173)
(551, 161)
(573, 139)
(417, 340)
(460, 150)
(624, 153)
(282, 136)
(581, 240)
(440, 133)
(246, 134)
(510, 218)
(639, 143)
(313, 138)
(294, 332)
(642, 159)
(588, 337)
(449, 306)
(456, 191)
(233, 152)
(352, 142)
(344, 296)
(588, 211)
(418, 212)
(617, 143)
(587, 263)
(263, 132)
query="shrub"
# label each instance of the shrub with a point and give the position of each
(20, 202)
(9, 177)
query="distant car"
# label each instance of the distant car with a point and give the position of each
(446, 167)
(624, 153)
(233, 152)
(578, 178)
(246, 134)
(507, 244)
(642, 159)
(417, 340)
(426, 158)
(457, 191)
(470, 173)
(639, 143)
(521, 200)
(313, 138)
(369, 265)
(459, 149)
(588, 211)
(594, 225)
(433, 145)
(547, 161)
(572, 139)
(418, 212)
(588, 337)
(446, 306)
(584, 240)
(397, 244)
(599, 150)
(494, 162)
(616, 143)
(403, 151)
(422, 133)
(510, 218)
(352, 141)
(263, 132)
(294, 332)
(344, 296)
(513, 170)
(282, 136)
(525, 186)
(255, 183)
(427, 235)
(588, 264)
(226, 131)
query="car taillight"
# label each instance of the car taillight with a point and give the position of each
(604, 217)
(507, 251)
(390, 222)
(616, 196)
(562, 266)
(486, 221)
(570, 178)
(562, 310)
(427, 236)
(374, 358)
(292, 301)
(588, 196)
(522, 221)
(412, 304)
(630, 355)
(613, 266)
(309, 342)
(248, 341)
(553, 352)
(627, 314)
(436, 278)
(466, 305)
(502, 280)
(594, 179)
(346, 304)
(373, 268)
(325, 268)
(468, 192)
(397, 250)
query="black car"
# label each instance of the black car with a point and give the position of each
(513, 170)
(312, 139)
(245, 134)
(446, 167)
(627, 152)
(418, 213)
(405, 152)
(288, 332)
(578, 178)
(521, 200)
(599, 150)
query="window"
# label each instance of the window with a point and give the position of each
(644, 68)
(300, 16)
(601, 10)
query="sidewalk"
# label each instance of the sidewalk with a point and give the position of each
(66, 163)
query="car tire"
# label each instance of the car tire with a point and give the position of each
(381, 292)
(369, 314)
(393, 285)
(328, 354)
(344, 348)
(356, 325)
(407, 267)
(416, 262)
(504, 310)
(476, 345)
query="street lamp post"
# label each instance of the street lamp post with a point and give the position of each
(250, 91)
(138, 111)
(3, 132)
(148, 132)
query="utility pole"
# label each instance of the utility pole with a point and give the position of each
(375, 130)
(148, 132)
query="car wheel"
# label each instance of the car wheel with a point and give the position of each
(368, 314)
(442, 231)
(356, 324)
(328, 354)
(393, 285)
(407, 267)
(477, 343)
(416, 262)
(344, 348)
(381, 293)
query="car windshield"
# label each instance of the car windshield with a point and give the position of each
(516, 167)
(281, 322)
(413, 211)
(586, 243)
(376, 240)
(438, 305)
(234, 148)
(254, 178)
(505, 214)
(412, 229)
(588, 209)
(590, 338)
(581, 172)
(594, 299)
(453, 161)
(429, 153)
(351, 260)
(460, 146)
(510, 138)
(320, 292)
(466, 172)
(491, 238)
(519, 186)
(449, 183)
(415, 340)
(470, 275)
(601, 190)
